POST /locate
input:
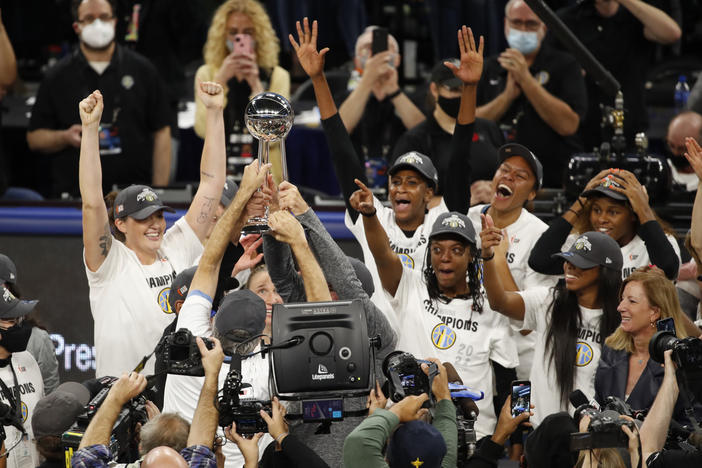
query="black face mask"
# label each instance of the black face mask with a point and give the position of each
(15, 339)
(450, 105)
(680, 162)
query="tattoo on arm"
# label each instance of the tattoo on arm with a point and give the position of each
(204, 216)
(106, 240)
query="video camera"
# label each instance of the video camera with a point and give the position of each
(123, 443)
(605, 429)
(181, 354)
(244, 412)
(406, 377)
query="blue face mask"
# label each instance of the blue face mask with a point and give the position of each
(525, 42)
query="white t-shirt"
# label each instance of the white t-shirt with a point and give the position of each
(182, 392)
(411, 250)
(454, 333)
(522, 235)
(129, 301)
(634, 253)
(31, 390)
(689, 180)
(545, 394)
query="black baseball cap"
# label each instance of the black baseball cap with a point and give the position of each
(605, 188)
(229, 191)
(8, 270)
(139, 202)
(515, 149)
(549, 443)
(11, 307)
(443, 76)
(241, 310)
(455, 223)
(181, 286)
(417, 162)
(592, 249)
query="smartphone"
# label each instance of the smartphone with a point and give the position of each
(243, 44)
(380, 40)
(666, 324)
(521, 397)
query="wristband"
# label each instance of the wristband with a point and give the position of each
(576, 213)
(395, 94)
(277, 439)
(369, 215)
(487, 259)
(581, 203)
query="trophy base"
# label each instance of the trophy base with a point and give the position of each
(255, 225)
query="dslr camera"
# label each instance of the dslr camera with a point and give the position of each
(181, 354)
(246, 413)
(687, 352)
(406, 377)
(605, 429)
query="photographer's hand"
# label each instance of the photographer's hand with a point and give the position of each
(248, 447)
(376, 399)
(410, 408)
(100, 428)
(439, 386)
(277, 427)
(204, 425)
(633, 436)
(506, 424)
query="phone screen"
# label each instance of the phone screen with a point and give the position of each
(380, 41)
(521, 397)
(666, 324)
(322, 410)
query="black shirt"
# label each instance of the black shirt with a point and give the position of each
(431, 140)
(135, 105)
(378, 129)
(619, 44)
(561, 76)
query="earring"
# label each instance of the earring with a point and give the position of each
(653, 324)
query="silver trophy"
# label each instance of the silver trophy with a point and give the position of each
(269, 117)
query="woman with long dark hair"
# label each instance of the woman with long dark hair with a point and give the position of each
(572, 318)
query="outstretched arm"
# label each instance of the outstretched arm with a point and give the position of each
(212, 165)
(205, 279)
(388, 263)
(97, 237)
(457, 190)
(694, 157)
(285, 228)
(658, 26)
(655, 427)
(508, 303)
(204, 425)
(8, 62)
(346, 162)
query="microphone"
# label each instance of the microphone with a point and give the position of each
(577, 399)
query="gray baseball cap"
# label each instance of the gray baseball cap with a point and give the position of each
(605, 189)
(11, 307)
(8, 270)
(241, 310)
(454, 223)
(417, 162)
(514, 149)
(592, 249)
(139, 202)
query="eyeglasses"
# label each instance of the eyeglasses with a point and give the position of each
(529, 25)
(90, 18)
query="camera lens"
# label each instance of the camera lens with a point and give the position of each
(660, 343)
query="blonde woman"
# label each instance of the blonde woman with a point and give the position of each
(241, 54)
(625, 369)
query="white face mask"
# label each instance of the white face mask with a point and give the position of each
(98, 34)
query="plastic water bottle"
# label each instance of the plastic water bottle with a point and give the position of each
(682, 92)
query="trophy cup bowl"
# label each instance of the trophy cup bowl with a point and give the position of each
(269, 117)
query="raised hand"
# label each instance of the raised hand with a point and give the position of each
(248, 447)
(694, 155)
(515, 63)
(634, 192)
(289, 198)
(90, 109)
(127, 387)
(285, 228)
(410, 407)
(251, 257)
(471, 57)
(211, 94)
(310, 60)
(490, 236)
(254, 176)
(362, 200)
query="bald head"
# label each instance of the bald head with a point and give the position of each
(685, 124)
(163, 457)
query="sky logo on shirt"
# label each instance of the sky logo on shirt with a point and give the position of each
(442, 336)
(407, 261)
(25, 412)
(163, 301)
(583, 354)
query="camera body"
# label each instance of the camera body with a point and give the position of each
(687, 352)
(245, 413)
(604, 430)
(181, 354)
(406, 377)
